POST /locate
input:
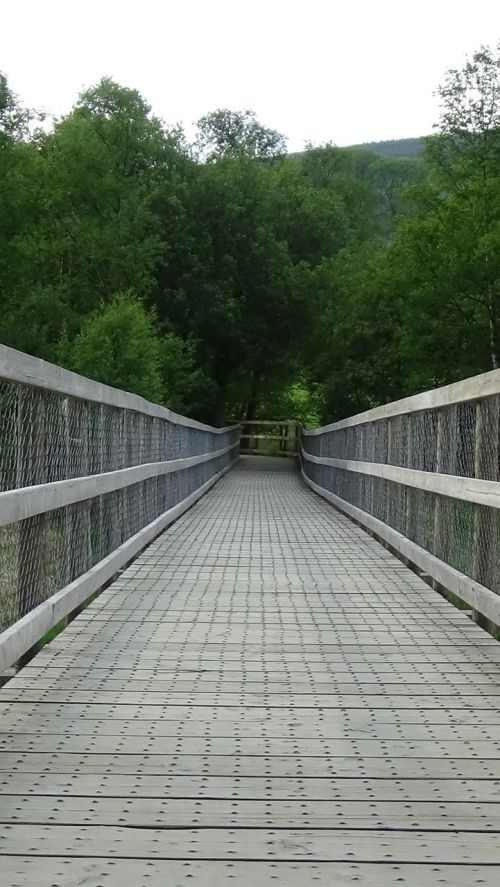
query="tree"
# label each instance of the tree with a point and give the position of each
(450, 249)
(237, 134)
(356, 343)
(233, 292)
(14, 119)
(392, 177)
(21, 208)
(251, 281)
(470, 101)
(188, 388)
(106, 164)
(119, 344)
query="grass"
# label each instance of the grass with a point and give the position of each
(53, 632)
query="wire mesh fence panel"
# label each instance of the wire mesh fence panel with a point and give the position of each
(63, 447)
(407, 469)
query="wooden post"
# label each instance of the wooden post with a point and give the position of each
(154, 455)
(446, 463)
(485, 564)
(252, 443)
(114, 461)
(396, 456)
(101, 444)
(139, 459)
(31, 469)
(79, 536)
(361, 479)
(438, 540)
(370, 483)
(122, 460)
(410, 493)
(390, 489)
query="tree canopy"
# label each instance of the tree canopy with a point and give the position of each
(229, 279)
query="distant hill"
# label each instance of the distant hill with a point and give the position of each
(394, 147)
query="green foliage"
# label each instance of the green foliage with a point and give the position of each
(394, 147)
(118, 344)
(229, 280)
(14, 119)
(188, 388)
(237, 134)
(301, 402)
(449, 247)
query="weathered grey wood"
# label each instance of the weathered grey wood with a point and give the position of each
(128, 786)
(256, 698)
(271, 437)
(194, 812)
(25, 871)
(78, 540)
(24, 634)
(30, 470)
(478, 596)
(485, 538)
(24, 502)
(467, 489)
(15, 366)
(288, 436)
(446, 456)
(288, 845)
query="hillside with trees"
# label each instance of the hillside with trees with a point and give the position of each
(226, 278)
(394, 147)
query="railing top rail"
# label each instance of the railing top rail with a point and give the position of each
(475, 388)
(268, 422)
(15, 366)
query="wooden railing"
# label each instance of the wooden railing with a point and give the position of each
(422, 474)
(89, 475)
(270, 437)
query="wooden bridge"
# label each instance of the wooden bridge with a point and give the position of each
(261, 691)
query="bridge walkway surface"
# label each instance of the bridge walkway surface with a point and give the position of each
(266, 695)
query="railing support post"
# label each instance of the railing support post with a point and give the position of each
(446, 459)
(79, 539)
(485, 536)
(31, 470)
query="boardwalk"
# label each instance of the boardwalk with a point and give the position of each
(265, 696)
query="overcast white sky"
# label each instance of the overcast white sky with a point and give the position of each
(345, 71)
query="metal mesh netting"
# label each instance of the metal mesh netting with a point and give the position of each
(460, 439)
(411, 440)
(46, 437)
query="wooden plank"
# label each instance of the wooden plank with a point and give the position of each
(304, 702)
(478, 596)
(272, 766)
(25, 871)
(24, 634)
(271, 436)
(50, 783)
(246, 451)
(267, 422)
(280, 747)
(283, 845)
(256, 697)
(195, 813)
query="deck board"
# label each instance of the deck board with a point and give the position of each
(265, 693)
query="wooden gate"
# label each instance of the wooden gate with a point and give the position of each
(270, 437)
